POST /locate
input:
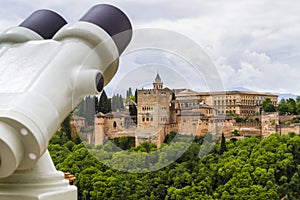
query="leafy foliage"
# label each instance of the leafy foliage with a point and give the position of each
(268, 106)
(124, 143)
(66, 127)
(252, 168)
(289, 106)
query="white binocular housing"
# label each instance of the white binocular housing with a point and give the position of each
(46, 68)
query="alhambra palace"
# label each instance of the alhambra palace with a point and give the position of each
(161, 110)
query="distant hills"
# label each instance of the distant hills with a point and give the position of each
(286, 96)
(238, 89)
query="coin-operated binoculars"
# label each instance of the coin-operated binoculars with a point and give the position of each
(46, 68)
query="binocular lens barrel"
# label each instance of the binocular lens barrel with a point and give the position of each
(44, 22)
(113, 21)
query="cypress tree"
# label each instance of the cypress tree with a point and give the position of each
(104, 105)
(223, 144)
(96, 103)
(129, 92)
(90, 110)
(81, 108)
(132, 110)
(117, 102)
(136, 96)
(121, 106)
(66, 126)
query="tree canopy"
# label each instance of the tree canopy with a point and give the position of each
(268, 106)
(252, 168)
(104, 104)
(289, 106)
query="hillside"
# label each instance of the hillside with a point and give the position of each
(252, 168)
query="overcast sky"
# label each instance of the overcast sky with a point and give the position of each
(254, 44)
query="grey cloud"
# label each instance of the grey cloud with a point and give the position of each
(252, 43)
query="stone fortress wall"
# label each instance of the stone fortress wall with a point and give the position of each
(161, 110)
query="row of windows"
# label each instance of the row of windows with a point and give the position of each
(224, 96)
(247, 101)
(230, 111)
(203, 123)
(208, 111)
(227, 111)
(147, 108)
(147, 119)
(248, 112)
(186, 105)
(223, 102)
(247, 97)
(241, 96)
(157, 86)
(151, 92)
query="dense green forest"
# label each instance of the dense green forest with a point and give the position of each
(252, 168)
(289, 106)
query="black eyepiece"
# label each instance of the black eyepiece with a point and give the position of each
(113, 21)
(99, 82)
(44, 22)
